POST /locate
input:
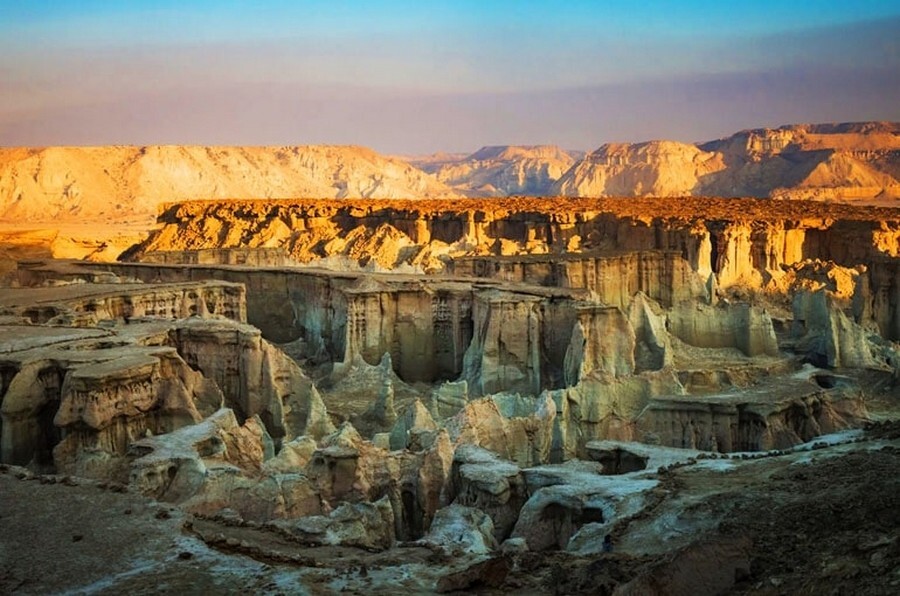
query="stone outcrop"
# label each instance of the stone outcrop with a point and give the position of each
(778, 414)
(364, 525)
(617, 457)
(652, 349)
(76, 407)
(215, 466)
(415, 419)
(517, 428)
(747, 242)
(424, 332)
(456, 527)
(479, 480)
(75, 399)
(876, 298)
(256, 378)
(571, 507)
(348, 468)
(106, 406)
(742, 326)
(219, 466)
(604, 407)
(505, 354)
(828, 337)
(603, 340)
(552, 516)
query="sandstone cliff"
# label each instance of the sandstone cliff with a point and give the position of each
(90, 368)
(128, 183)
(544, 241)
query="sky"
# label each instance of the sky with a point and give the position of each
(414, 77)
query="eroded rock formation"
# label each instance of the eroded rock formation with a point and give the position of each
(76, 399)
(748, 242)
(495, 408)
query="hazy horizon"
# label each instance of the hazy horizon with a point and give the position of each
(415, 78)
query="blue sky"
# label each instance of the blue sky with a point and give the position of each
(414, 77)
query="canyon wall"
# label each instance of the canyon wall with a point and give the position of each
(78, 391)
(742, 242)
(664, 276)
(876, 300)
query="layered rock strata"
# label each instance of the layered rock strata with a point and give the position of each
(748, 241)
(75, 399)
(425, 325)
(773, 415)
(613, 279)
(86, 305)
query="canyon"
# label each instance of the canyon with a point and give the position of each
(458, 395)
(682, 378)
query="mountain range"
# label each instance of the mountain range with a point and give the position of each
(127, 182)
(843, 162)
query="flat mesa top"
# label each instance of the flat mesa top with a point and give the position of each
(23, 297)
(670, 208)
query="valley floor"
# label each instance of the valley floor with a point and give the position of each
(822, 519)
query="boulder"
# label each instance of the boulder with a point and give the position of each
(363, 525)
(479, 479)
(459, 528)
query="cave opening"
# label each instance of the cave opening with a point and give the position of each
(620, 461)
(714, 252)
(49, 436)
(826, 381)
(413, 516)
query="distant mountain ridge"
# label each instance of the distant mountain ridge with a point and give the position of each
(128, 182)
(502, 170)
(843, 162)
(816, 161)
